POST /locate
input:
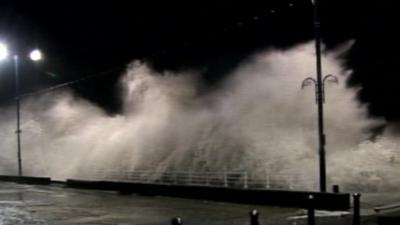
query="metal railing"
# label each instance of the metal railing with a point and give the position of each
(217, 179)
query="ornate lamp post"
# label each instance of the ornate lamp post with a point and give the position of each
(320, 95)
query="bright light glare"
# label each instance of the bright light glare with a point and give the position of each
(36, 55)
(3, 51)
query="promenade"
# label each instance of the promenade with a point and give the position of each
(55, 204)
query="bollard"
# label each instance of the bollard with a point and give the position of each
(335, 189)
(176, 221)
(311, 211)
(254, 217)
(356, 209)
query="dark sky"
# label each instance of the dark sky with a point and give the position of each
(82, 38)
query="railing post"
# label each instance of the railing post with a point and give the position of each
(161, 177)
(291, 182)
(311, 211)
(245, 182)
(175, 178)
(176, 221)
(146, 177)
(254, 217)
(267, 181)
(356, 209)
(225, 179)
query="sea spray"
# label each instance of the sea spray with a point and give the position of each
(258, 121)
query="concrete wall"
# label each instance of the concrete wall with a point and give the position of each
(26, 180)
(295, 199)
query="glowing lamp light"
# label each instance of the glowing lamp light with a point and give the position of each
(35, 55)
(3, 51)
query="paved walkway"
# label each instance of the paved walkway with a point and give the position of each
(48, 205)
(31, 204)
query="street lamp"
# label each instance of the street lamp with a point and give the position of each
(320, 95)
(34, 55)
(3, 51)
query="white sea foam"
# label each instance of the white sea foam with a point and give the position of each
(258, 120)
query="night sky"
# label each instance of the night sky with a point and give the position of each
(84, 38)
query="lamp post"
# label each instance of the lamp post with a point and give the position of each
(320, 95)
(17, 103)
(34, 55)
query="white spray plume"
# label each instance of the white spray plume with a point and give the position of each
(259, 121)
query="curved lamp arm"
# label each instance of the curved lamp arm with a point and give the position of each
(330, 78)
(308, 81)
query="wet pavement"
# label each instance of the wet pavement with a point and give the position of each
(35, 204)
(58, 205)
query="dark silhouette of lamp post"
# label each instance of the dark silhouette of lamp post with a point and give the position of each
(34, 55)
(17, 103)
(320, 95)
